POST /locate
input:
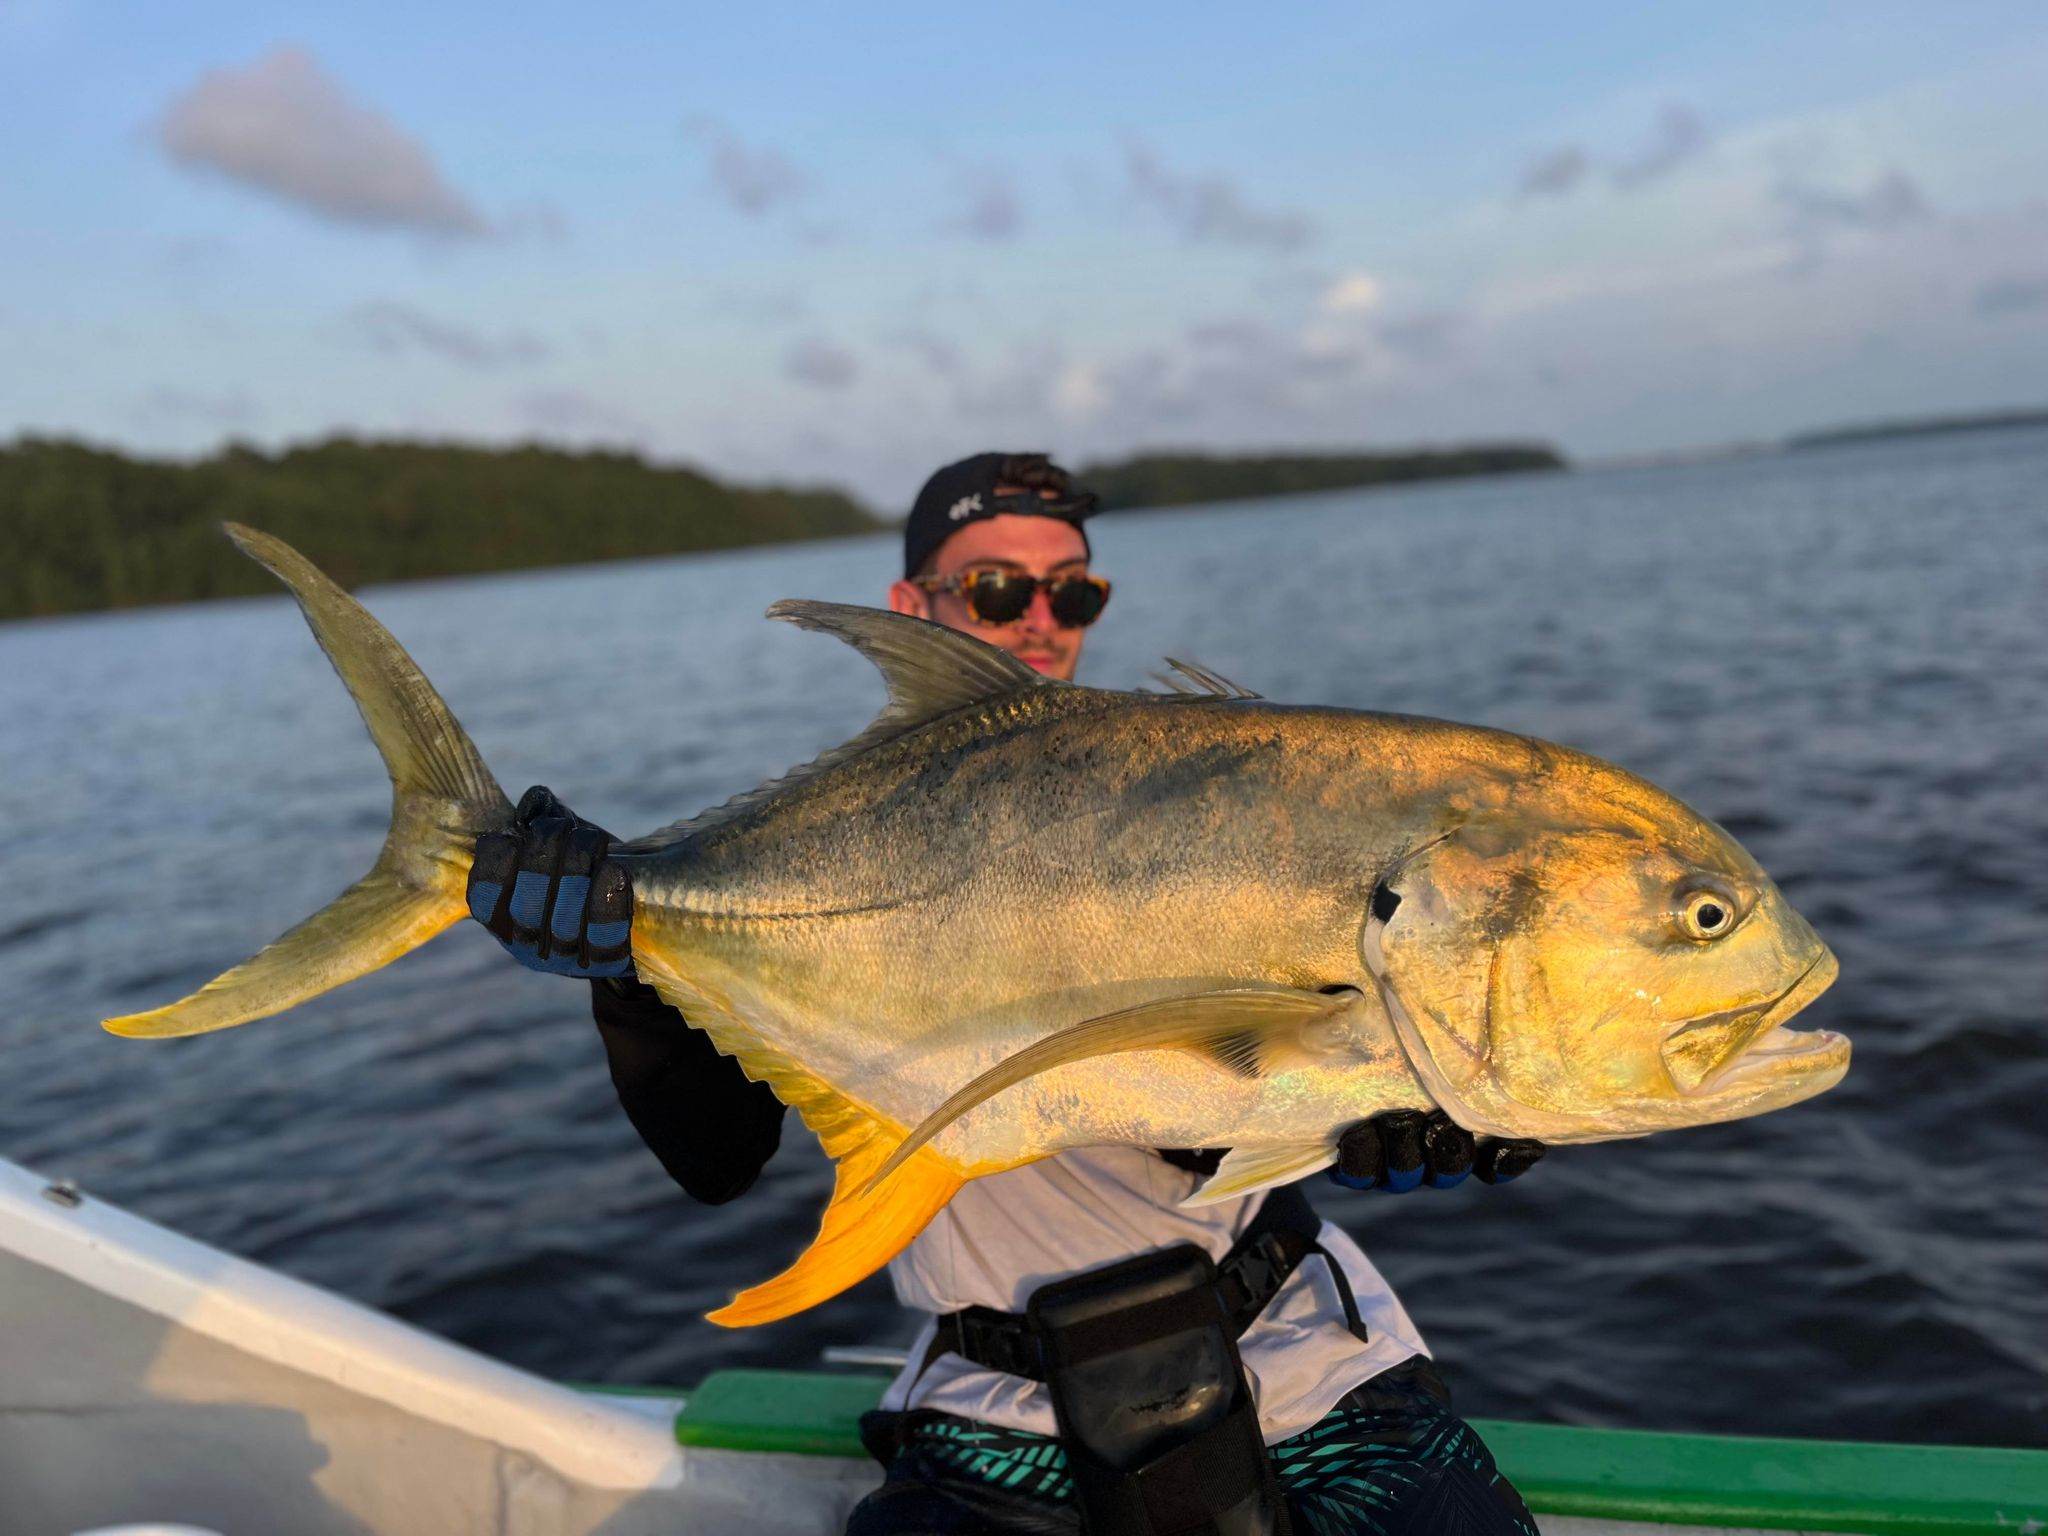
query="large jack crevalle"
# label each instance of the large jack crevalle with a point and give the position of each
(1015, 916)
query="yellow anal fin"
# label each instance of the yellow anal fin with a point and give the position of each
(862, 1230)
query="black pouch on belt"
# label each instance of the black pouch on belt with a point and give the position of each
(1160, 1430)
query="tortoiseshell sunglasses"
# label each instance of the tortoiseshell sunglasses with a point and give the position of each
(1001, 597)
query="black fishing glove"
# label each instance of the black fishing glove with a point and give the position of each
(547, 892)
(1403, 1148)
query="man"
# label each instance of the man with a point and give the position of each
(999, 1423)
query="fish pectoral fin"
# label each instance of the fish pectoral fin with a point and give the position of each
(1247, 1170)
(1253, 1030)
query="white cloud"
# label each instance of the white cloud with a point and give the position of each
(181, 405)
(1209, 208)
(2012, 295)
(991, 208)
(1555, 172)
(575, 416)
(1079, 390)
(1424, 334)
(1894, 198)
(753, 178)
(285, 127)
(393, 327)
(1353, 293)
(1679, 135)
(820, 363)
(934, 353)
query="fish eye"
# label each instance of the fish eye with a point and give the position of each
(1706, 914)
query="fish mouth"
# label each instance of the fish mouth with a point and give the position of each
(1719, 1051)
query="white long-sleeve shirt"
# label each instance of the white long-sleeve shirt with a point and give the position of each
(1002, 1237)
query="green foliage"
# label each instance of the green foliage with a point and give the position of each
(1178, 479)
(87, 528)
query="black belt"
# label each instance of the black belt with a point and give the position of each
(1280, 1236)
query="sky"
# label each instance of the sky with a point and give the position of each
(845, 244)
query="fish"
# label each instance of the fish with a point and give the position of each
(1015, 916)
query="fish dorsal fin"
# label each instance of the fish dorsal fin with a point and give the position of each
(1254, 1030)
(930, 671)
(1197, 681)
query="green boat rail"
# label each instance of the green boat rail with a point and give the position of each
(1728, 1481)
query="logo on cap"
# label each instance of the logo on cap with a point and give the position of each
(965, 507)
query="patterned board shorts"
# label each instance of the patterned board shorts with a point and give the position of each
(1390, 1459)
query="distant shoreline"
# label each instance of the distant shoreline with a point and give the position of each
(89, 529)
(93, 529)
(1925, 426)
(1177, 479)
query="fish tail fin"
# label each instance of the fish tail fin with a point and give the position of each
(443, 798)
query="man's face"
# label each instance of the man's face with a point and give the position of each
(1037, 546)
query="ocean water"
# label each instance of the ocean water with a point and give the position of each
(1841, 655)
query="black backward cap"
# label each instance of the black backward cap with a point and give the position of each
(965, 492)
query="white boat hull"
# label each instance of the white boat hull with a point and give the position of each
(149, 1378)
